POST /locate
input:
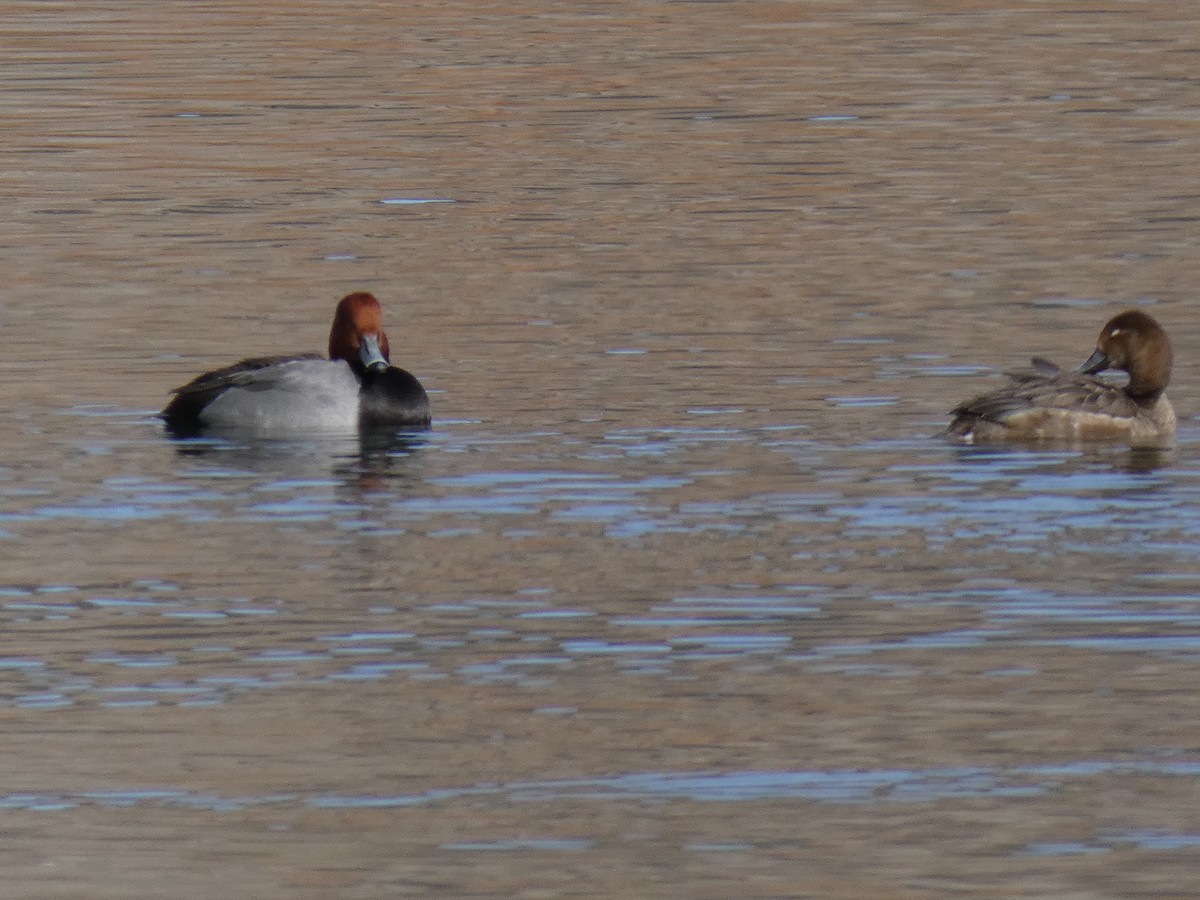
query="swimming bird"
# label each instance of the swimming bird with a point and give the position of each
(1047, 404)
(355, 388)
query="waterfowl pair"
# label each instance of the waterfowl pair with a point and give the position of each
(1048, 404)
(356, 387)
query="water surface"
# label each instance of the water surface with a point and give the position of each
(682, 595)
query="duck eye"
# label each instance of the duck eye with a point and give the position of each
(1114, 332)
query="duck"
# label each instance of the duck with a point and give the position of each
(1047, 404)
(357, 387)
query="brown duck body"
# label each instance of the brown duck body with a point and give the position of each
(1046, 404)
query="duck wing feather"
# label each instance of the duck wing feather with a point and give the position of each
(191, 398)
(1046, 386)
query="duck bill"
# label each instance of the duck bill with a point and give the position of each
(369, 353)
(1097, 362)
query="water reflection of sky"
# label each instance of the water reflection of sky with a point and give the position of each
(886, 510)
(832, 787)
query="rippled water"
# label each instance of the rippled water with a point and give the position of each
(682, 595)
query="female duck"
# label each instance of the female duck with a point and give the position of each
(356, 387)
(1047, 404)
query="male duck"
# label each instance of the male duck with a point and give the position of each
(356, 387)
(1047, 404)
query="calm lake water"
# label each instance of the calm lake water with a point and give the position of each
(682, 595)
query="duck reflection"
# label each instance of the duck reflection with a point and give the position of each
(370, 452)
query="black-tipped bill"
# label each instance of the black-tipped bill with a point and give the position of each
(372, 357)
(1097, 362)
